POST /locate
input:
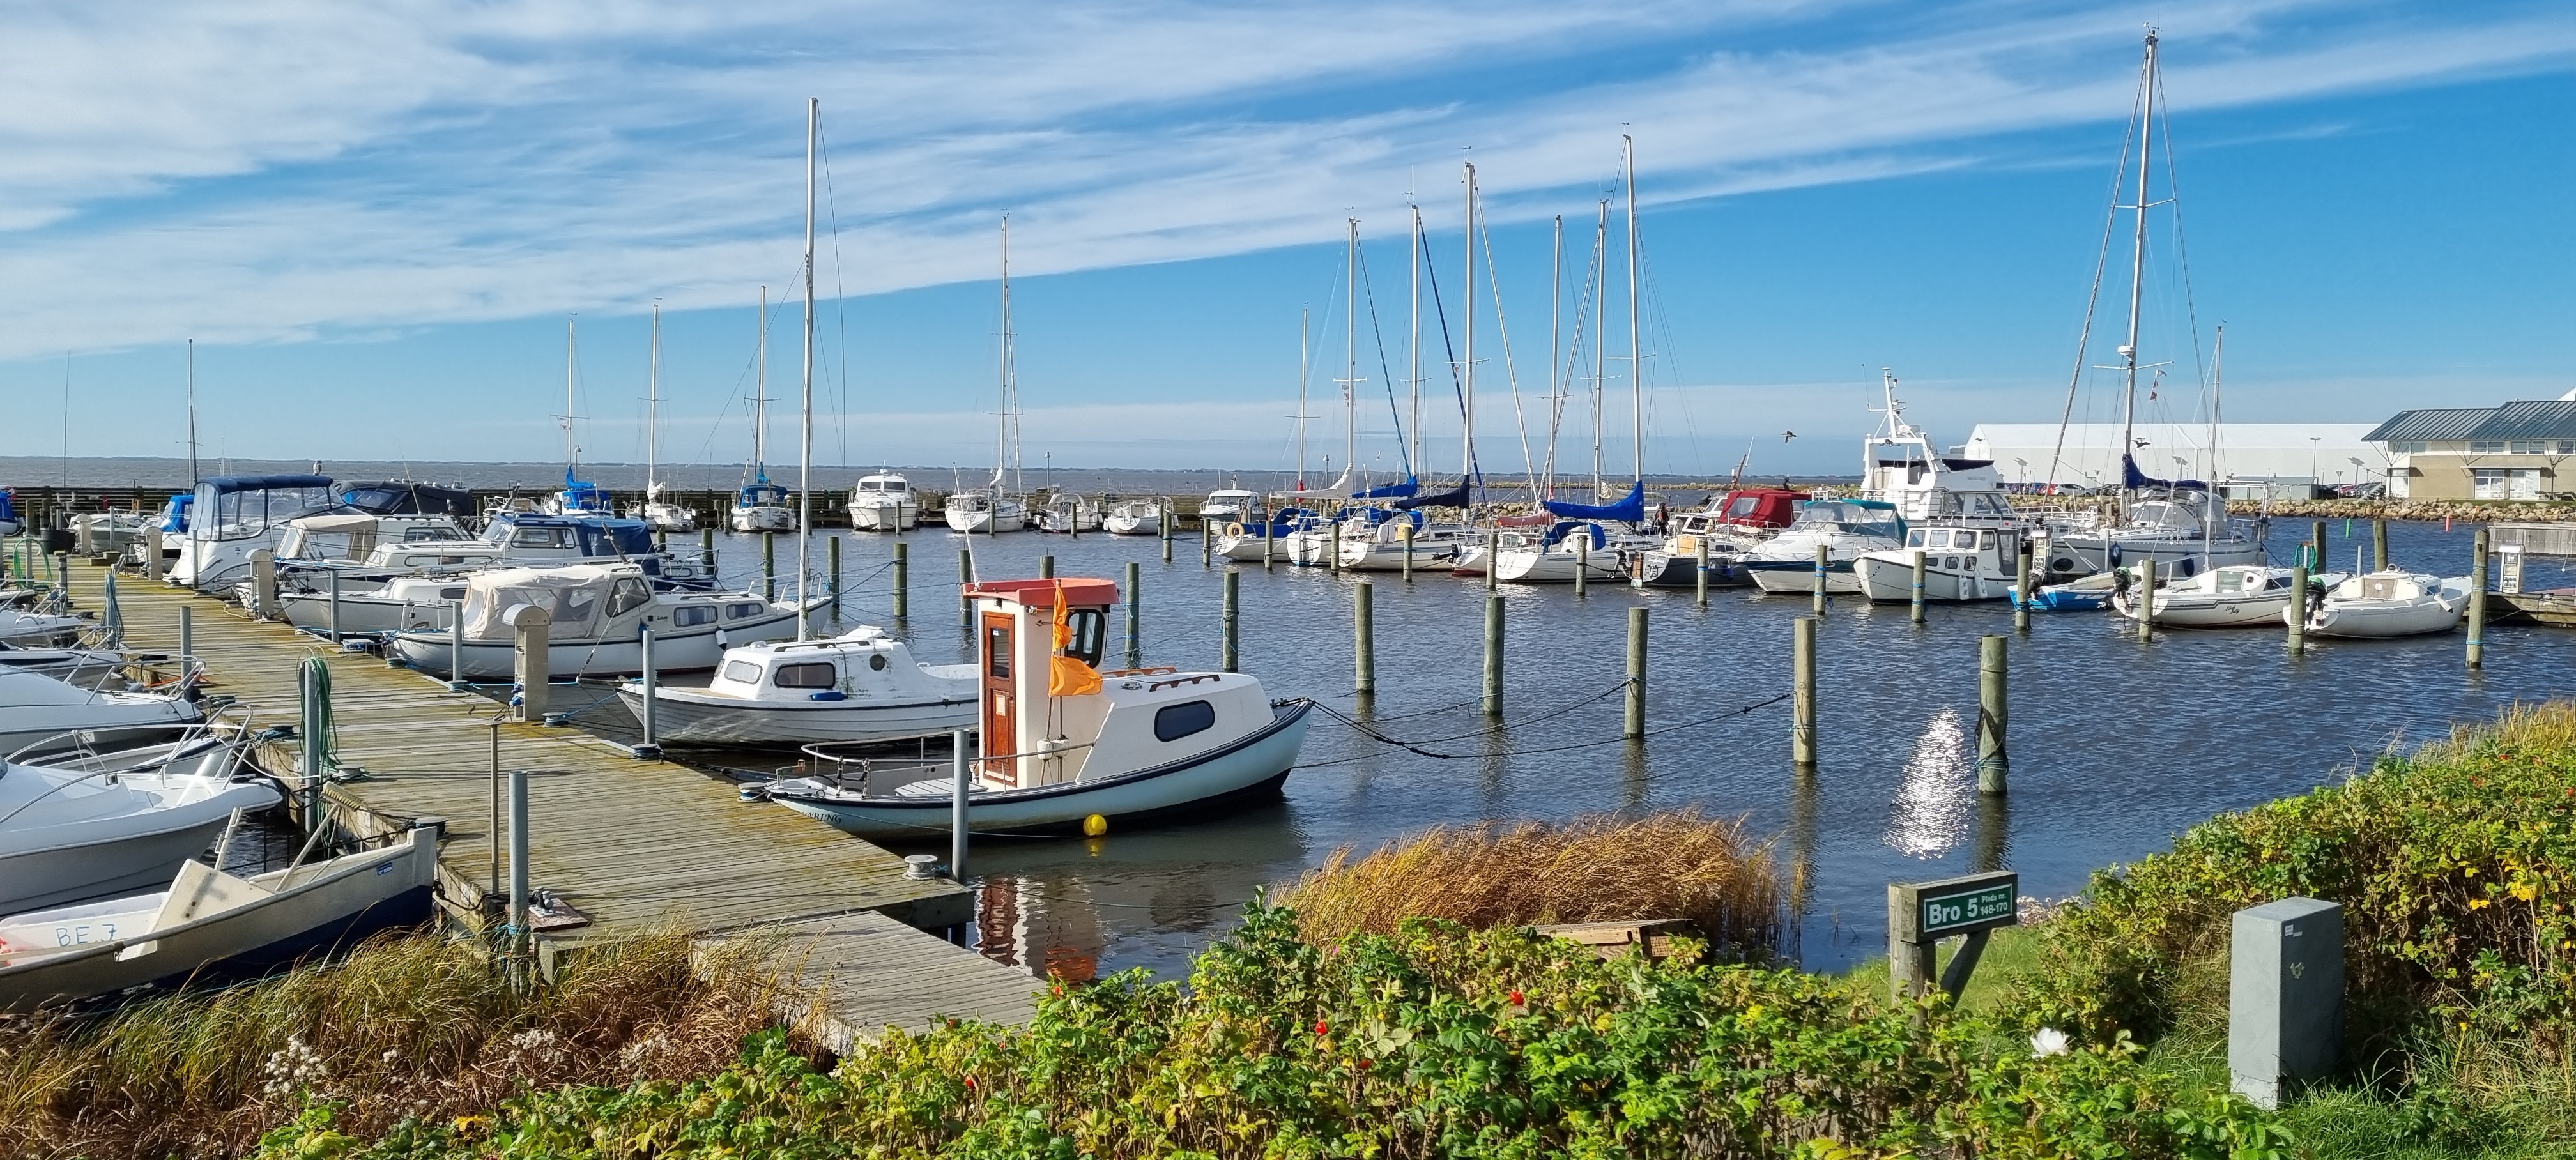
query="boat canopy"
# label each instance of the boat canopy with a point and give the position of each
(597, 535)
(174, 514)
(233, 507)
(1877, 517)
(581, 495)
(1630, 509)
(587, 602)
(1557, 532)
(2133, 479)
(8, 506)
(402, 497)
(1410, 486)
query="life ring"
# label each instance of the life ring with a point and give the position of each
(1234, 529)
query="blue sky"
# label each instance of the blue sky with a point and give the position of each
(376, 222)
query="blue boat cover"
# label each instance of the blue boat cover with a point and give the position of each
(1409, 487)
(174, 514)
(1629, 510)
(1455, 499)
(1563, 528)
(224, 484)
(8, 506)
(2133, 479)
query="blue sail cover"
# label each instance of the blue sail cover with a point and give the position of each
(1564, 528)
(1410, 486)
(9, 508)
(1629, 510)
(1455, 499)
(2133, 479)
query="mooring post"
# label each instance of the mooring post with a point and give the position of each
(958, 786)
(833, 552)
(2299, 608)
(769, 563)
(1335, 537)
(1493, 699)
(529, 626)
(1582, 561)
(493, 837)
(1993, 714)
(1634, 727)
(519, 874)
(1824, 565)
(707, 548)
(152, 553)
(1233, 611)
(1046, 567)
(1802, 692)
(1919, 566)
(1699, 579)
(1207, 544)
(2317, 536)
(1269, 545)
(2379, 545)
(2146, 599)
(456, 645)
(1163, 528)
(902, 581)
(1364, 636)
(1135, 615)
(2478, 600)
(314, 732)
(1405, 532)
(2021, 588)
(263, 583)
(335, 606)
(187, 638)
(965, 581)
(1493, 558)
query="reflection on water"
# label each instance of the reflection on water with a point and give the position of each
(1892, 798)
(1938, 787)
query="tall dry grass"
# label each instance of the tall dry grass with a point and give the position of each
(407, 1025)
(1596, 868)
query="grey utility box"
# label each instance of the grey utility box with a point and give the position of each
(2285, 996)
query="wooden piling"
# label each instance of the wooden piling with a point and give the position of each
(1699, 578)
(1802, 692)
(1163, 527)
(1824, 567)
(1046, 567)
(1992, 714)
(1334, 545)
(2478, 600)
(707, 548)
(1493, 558)
(187, 636)
(1582, 560)
(1635, 723)
(769, 563)
(1493, 698)
(1405, 532)
(2146, 604)
(2379, 545)
(965, 580)
(2021, 588)
(1233, 611)
(833, 554)
(1207, 544)
(2317, 536)
(1269, 545)
(2299, 608)
(1919, 568)
(1364, 636)
(902, 581)
(1135, 615)
(518, 928)
(959, 786)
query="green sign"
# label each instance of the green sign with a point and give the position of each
(1972, 907)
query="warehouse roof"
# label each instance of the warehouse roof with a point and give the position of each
(2554, 419)
(2549, 419)
(2434, 423)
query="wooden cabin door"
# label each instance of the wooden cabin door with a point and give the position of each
(1000, 653)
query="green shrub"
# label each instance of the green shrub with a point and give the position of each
(1434, 1041)
(2455, 868)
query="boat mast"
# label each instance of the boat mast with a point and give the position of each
(760, 397)
(1002, 421)
(1303, 317)
(653, 404)
(1351, 349)
(1467, 392)
(1600, 345)
(2137, 270)
(192, 414)
(805, 448)
(1555, 337)
(1413, 347)
(572, 454)
(1636, 367)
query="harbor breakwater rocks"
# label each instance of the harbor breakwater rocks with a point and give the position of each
(2435, 510)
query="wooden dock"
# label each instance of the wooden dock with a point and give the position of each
(635, 845)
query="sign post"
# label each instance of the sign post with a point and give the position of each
(1921, 914)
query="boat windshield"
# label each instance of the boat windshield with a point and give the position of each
(240, 508)
(1827, 515)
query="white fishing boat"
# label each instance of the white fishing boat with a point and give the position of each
(40, 715)
(1731, 523)
(1846, 528)
(2388, 604)
(884, 502)
(365, 608)
(1061, 741)
(1135, 517)
(596, 617)
(2229, 596)
(1959, 564)
(1068, 512)
(114, 822)
(857, 687)
(1569, 548)
(1387, 547)
(236, 515)
(204, 918)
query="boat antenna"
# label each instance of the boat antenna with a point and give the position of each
(805, 448)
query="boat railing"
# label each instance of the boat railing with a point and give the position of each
(921, 763)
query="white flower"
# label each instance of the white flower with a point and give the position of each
(2048, 1041)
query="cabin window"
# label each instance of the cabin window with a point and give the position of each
(1916, 538)
(419, 561)
(538, 538)
(997, 652)
(742, 671)
(1173, 722)
(627, 596)
(689, 614)
(457, 593)
(741, 611)
(1088, 627)
(877, 661)
(1743, 506)
(806, 676)
(416, 535)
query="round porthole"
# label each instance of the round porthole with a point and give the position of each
(877, 661)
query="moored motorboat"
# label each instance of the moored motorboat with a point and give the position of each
(41, 714)
(883, 502)
(29, 629)
(1730, 525)
(595, 616)
(1135, 517)
(2228, 596)
(1845, 528)
(857, 687)
(2082, 594)
(99, 824)
(2388, 604)
(1068, 512)
(1060, 741)
(1405, 541)
(1959, 564)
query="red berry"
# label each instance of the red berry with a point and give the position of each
(1516, 998)
(970, 1083)
(1320, 1028)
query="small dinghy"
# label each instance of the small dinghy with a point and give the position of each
(2388, 604)
(204, 918)
(1061, 741)
(2228, 596)
(115, 822)
(860, 686)
(2082, 594)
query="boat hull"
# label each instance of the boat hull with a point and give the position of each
(1800, 576)
(884, 517)
(678, 650)
(763, 519)
(1252, 766)
(1554, 567)
(122, 861)
(2382, 619)
(1135, 525)
(692, 716)
(1891, 581)
(1675, 570)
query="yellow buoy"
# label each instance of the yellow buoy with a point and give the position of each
(1094, 826)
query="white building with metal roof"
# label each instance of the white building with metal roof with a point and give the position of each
(2521, 450)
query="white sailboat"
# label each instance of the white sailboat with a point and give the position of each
(988, 509)
(761, 506)
(578, 497)
(1135, 517)
(659, 514)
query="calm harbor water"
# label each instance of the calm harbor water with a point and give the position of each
(2115, 746)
